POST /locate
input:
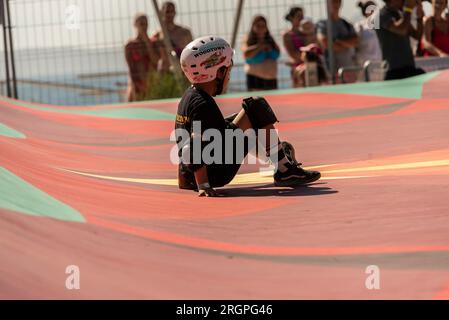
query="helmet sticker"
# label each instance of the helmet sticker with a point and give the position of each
(201, 77)
(214, 60)
(209, 50)
(201, 57)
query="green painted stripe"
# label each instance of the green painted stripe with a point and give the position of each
(372, 111)
(131, 113)
(410, 88)
(9, 132)
(18, 195)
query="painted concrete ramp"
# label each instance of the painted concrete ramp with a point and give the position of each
(94, 187)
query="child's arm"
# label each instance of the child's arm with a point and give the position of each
(202, 181)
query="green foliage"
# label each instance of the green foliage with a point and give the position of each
(164, 85)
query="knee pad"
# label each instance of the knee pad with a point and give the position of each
(259, 112)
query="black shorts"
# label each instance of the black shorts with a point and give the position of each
(219, 174)
(222, 174)
(256, 83)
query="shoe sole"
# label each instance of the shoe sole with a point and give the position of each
(296, 183)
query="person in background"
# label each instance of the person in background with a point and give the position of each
(179, 36)
(368, 47)
(260, 52)
(141, 57)
(436, 31)
(308, 31)
(198, 114)
(344, 38)
(394, 31)
(312, 71)
(293, 41)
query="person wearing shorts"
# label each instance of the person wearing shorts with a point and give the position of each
(207, 64)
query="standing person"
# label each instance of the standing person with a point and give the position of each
(344, 38)
(436, 31)
(210, 77)
(308, 32)
(261, 53)
(368, 47)
(312, 71)
(141, 57)
(394, 31)
(179, 36)
(293, 41)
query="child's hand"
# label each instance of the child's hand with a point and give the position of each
(208, 192)
(264, 46)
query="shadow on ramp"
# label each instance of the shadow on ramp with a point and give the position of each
(270, 190)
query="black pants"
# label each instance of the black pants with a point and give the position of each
(219, 174)
(256, 83)
(403, 73)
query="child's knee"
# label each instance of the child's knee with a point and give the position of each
(259, 112)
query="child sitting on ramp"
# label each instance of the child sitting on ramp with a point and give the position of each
(207, 64)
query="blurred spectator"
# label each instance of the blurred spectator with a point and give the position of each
(179, 36)
(293, 40)
(344, 38)
(260, 52)
(308, 31)
(368, 47)
(394, 31)
(311, 72)
(141, 57)
(436, 31)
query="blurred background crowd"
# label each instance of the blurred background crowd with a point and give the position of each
(279, 44)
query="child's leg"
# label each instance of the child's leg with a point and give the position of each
(257, 114)
(269, 141)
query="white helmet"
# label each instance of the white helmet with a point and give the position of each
(201, 58)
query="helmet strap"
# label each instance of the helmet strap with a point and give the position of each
(220, 82)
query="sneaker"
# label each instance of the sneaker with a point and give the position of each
(295, 175)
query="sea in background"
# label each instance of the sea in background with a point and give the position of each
(93, 70)
(74, 76)
(89, 73)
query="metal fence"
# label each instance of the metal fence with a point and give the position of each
(71, 52)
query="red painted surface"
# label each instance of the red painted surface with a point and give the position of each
(155, 241)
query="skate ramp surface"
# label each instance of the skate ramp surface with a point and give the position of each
(94, 187)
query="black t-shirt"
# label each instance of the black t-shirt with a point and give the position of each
(396, 49)
(197, 105)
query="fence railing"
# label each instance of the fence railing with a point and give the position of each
(432, 63)
(71, 52)
(376, 70)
